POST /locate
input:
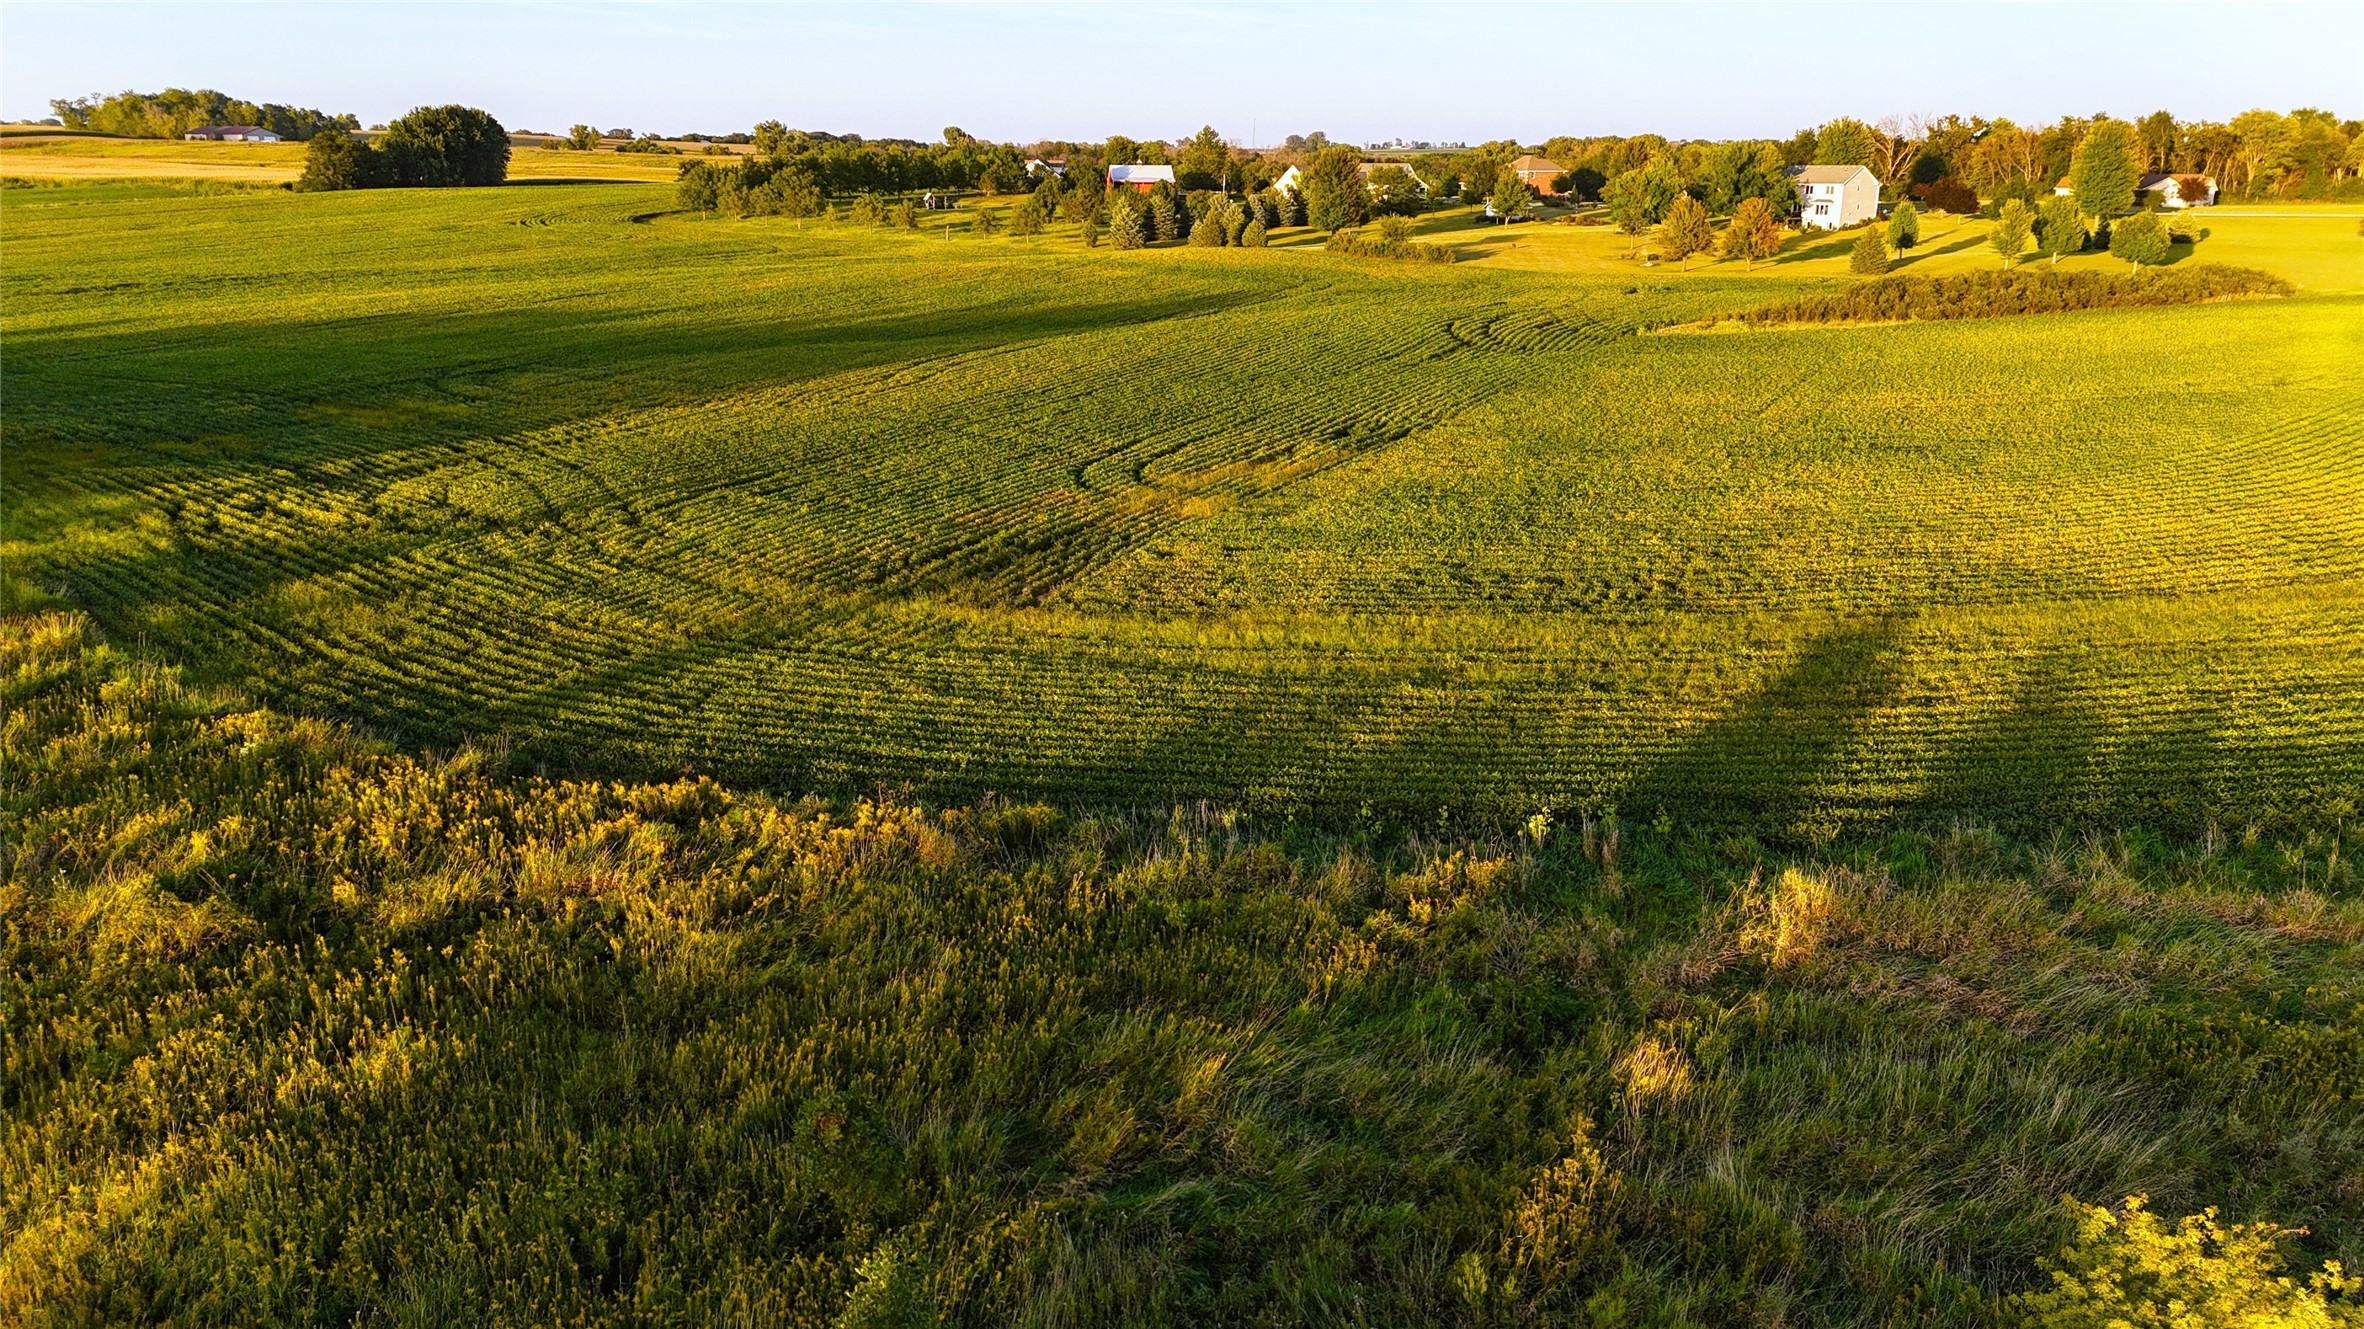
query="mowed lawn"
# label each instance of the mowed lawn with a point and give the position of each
(816, 507)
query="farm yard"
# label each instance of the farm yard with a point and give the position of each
(810, 506)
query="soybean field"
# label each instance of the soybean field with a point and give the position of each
(632, 493)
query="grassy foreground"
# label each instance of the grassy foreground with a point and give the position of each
(304, 1031)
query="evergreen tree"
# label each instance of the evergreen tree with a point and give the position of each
(1255, 236)
(1334, 191)
(1686, 230)
(1869, 258)
(2010, 233)
(1124, 219)
(1165, 220)
(2106, 169)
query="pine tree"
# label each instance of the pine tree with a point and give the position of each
(1870, 255)
(2011, 231)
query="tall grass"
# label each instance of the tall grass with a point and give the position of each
(302, 1030)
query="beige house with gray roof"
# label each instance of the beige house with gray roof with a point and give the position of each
(1831, 197)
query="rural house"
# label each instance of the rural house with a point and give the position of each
(2178, 191)
(1139, 179)
(1539, 173)
(1038, 166)
(1831, 197)
(232, 134)
(1288, 180)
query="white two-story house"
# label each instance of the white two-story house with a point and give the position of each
(1831, 197)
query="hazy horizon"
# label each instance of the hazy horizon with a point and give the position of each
(1361, 73)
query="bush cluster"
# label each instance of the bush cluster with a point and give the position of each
(1386, 240)
(432, 147)
(1996, 294)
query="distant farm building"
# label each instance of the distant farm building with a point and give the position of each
(1830, 197)
(1538, 173)
(1040, 166)
(2179, 191)
(1140, 179)
(232, 134)
(1289, 180)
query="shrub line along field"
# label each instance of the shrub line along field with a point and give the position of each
(820, 507)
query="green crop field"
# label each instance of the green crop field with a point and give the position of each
(810, 507)
(564, 761)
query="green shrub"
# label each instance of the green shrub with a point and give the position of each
(1357, 242)
(2126, 1270)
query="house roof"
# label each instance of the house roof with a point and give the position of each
(1130, 175)
(229, 129)
(1828, 175)
(1531, 162)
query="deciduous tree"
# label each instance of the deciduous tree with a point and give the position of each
(1511, 197)
(1755, 232)
(333, 160)
(1686, 230)
(1904, 227)
(2106, 168)
(1846, 142)
(446, 145)
(2060, 228)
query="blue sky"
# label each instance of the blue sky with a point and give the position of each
(1359, 72)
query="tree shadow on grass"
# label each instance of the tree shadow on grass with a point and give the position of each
(1779, 758)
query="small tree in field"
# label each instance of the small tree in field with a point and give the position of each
(2060, 228)
(1511, 197)
(582, 138)
(1904, 227)
(1686, 230)
(2140, 239)
(1869, 258)
(2011, 230)
(1754, 233)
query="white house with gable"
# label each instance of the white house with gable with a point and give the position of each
(1831, 197)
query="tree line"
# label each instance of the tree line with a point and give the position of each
(175, 111)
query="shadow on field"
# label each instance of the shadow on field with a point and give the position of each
(1774, 755)
(2046, 752)
(1925, 252)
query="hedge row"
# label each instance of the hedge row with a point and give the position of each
(2029, 291)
